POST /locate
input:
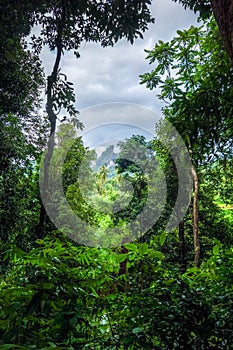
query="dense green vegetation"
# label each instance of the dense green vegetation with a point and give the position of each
(162, 290)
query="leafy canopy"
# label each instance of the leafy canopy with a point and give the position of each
(195, 78)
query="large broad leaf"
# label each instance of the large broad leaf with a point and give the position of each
(121, 257)
(143, 248)
(131, 246)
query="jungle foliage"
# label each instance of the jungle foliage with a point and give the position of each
(147, 293)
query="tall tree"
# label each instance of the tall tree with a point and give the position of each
(195, 79)
(22, 127)
(223, 12)
(64, 27)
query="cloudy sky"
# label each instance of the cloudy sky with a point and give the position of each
(106, 75)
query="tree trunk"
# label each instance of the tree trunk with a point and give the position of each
(41, 230)
(182, 246)
(197, 247)
(223, 12)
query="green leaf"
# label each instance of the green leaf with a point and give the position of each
(216, 250)
(131, 246)
(143, 248)
(137, 330)
(162, 238)
(156, 254)
(121, 257)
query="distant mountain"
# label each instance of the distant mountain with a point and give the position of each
(107, 158)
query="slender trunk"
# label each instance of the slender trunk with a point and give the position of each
(223, 12)
(181, 237)
(51, 143)
(182, 246)
(197, 247)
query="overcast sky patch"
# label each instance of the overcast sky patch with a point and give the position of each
(110, 76)
(103, 75)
